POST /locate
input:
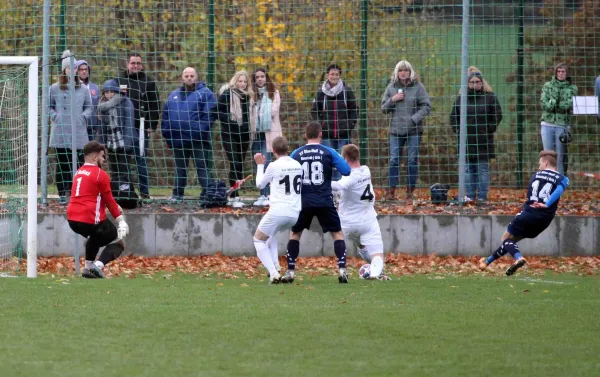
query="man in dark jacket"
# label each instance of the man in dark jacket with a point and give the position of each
(143, 92)
(186, 124)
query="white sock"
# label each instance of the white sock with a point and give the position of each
(272, 245)
(99, 264)
(376, 266)
(89, 263)
(264, 254)
(364, 254)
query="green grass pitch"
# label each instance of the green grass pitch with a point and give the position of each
(195, 325)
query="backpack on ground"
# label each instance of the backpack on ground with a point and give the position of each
(124, 192)
(214, 195)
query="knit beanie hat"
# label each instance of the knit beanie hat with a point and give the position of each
(65, 60)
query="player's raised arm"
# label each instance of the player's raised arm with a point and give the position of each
(340, 164)
(263, 178)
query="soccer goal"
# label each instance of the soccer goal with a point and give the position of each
(18, 163)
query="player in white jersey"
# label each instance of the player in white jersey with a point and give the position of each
(285, 177)
(357, 211)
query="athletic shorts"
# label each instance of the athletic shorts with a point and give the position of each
(367, 234)
(104, 232)
(529, 224)
(270, 224)
(327, 216)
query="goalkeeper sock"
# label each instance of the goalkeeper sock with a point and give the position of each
(364, 254)
(264, 254)
(339, 247)
(293, 249)
(376, 266)
(272, 245)
(111, 252)
(89, 264)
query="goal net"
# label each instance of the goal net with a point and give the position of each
(18, 164)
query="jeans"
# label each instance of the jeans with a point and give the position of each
(199, 152)
(397, 142)
(551, 141)
(259, 145)
(142, 166)
(336, 144)
(477, 177)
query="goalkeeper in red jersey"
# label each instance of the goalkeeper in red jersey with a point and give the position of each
(90, 196)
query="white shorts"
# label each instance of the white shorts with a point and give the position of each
(364, 234)
(270, 224)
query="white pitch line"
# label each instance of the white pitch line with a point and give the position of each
(532, 280)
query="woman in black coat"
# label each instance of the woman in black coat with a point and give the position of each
(483, 116)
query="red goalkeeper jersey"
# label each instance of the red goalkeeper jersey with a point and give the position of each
(90, 195)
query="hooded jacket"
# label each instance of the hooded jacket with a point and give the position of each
(94, 93)
(117, 125)
(187, 116)
(143, 92)
(408, 114)
(557, 100)
(483, 117)
(337, 115)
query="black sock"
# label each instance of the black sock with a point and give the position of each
(339, 247)
(91, 249)
(293, 249)
(111, 252)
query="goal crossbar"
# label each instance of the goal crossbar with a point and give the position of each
(32, 154)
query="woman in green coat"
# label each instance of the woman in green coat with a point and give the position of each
(557, 105)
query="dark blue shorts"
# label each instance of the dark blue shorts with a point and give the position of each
(529, 224)
(327, 216)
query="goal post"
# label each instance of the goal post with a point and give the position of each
(32, 152)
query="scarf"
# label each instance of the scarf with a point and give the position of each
(110, 111)
(263, 111)
(235, 106)
(332, 92)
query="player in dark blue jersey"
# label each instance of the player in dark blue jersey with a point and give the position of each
(545, 188)
(317, 162)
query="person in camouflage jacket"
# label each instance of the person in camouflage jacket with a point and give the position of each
(557, 105)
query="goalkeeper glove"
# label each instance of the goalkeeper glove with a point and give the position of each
(122, 228)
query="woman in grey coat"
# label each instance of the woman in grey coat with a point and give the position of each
(408, 102)
(61, 132)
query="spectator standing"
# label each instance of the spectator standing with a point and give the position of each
(483, 117)
(557, 105)
(408, 102)
(335, 108)
(186, 125)
(84, 71)
(143, 92)
(117, 132)
(266, 125)
(61, 131)
(234, 107)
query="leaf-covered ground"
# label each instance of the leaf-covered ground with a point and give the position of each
(234, 267)
(500, 202)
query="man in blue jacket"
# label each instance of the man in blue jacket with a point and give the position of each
(186, 124)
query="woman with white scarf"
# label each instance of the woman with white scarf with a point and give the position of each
(265, 125)
(233, 111)
(335, 108)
